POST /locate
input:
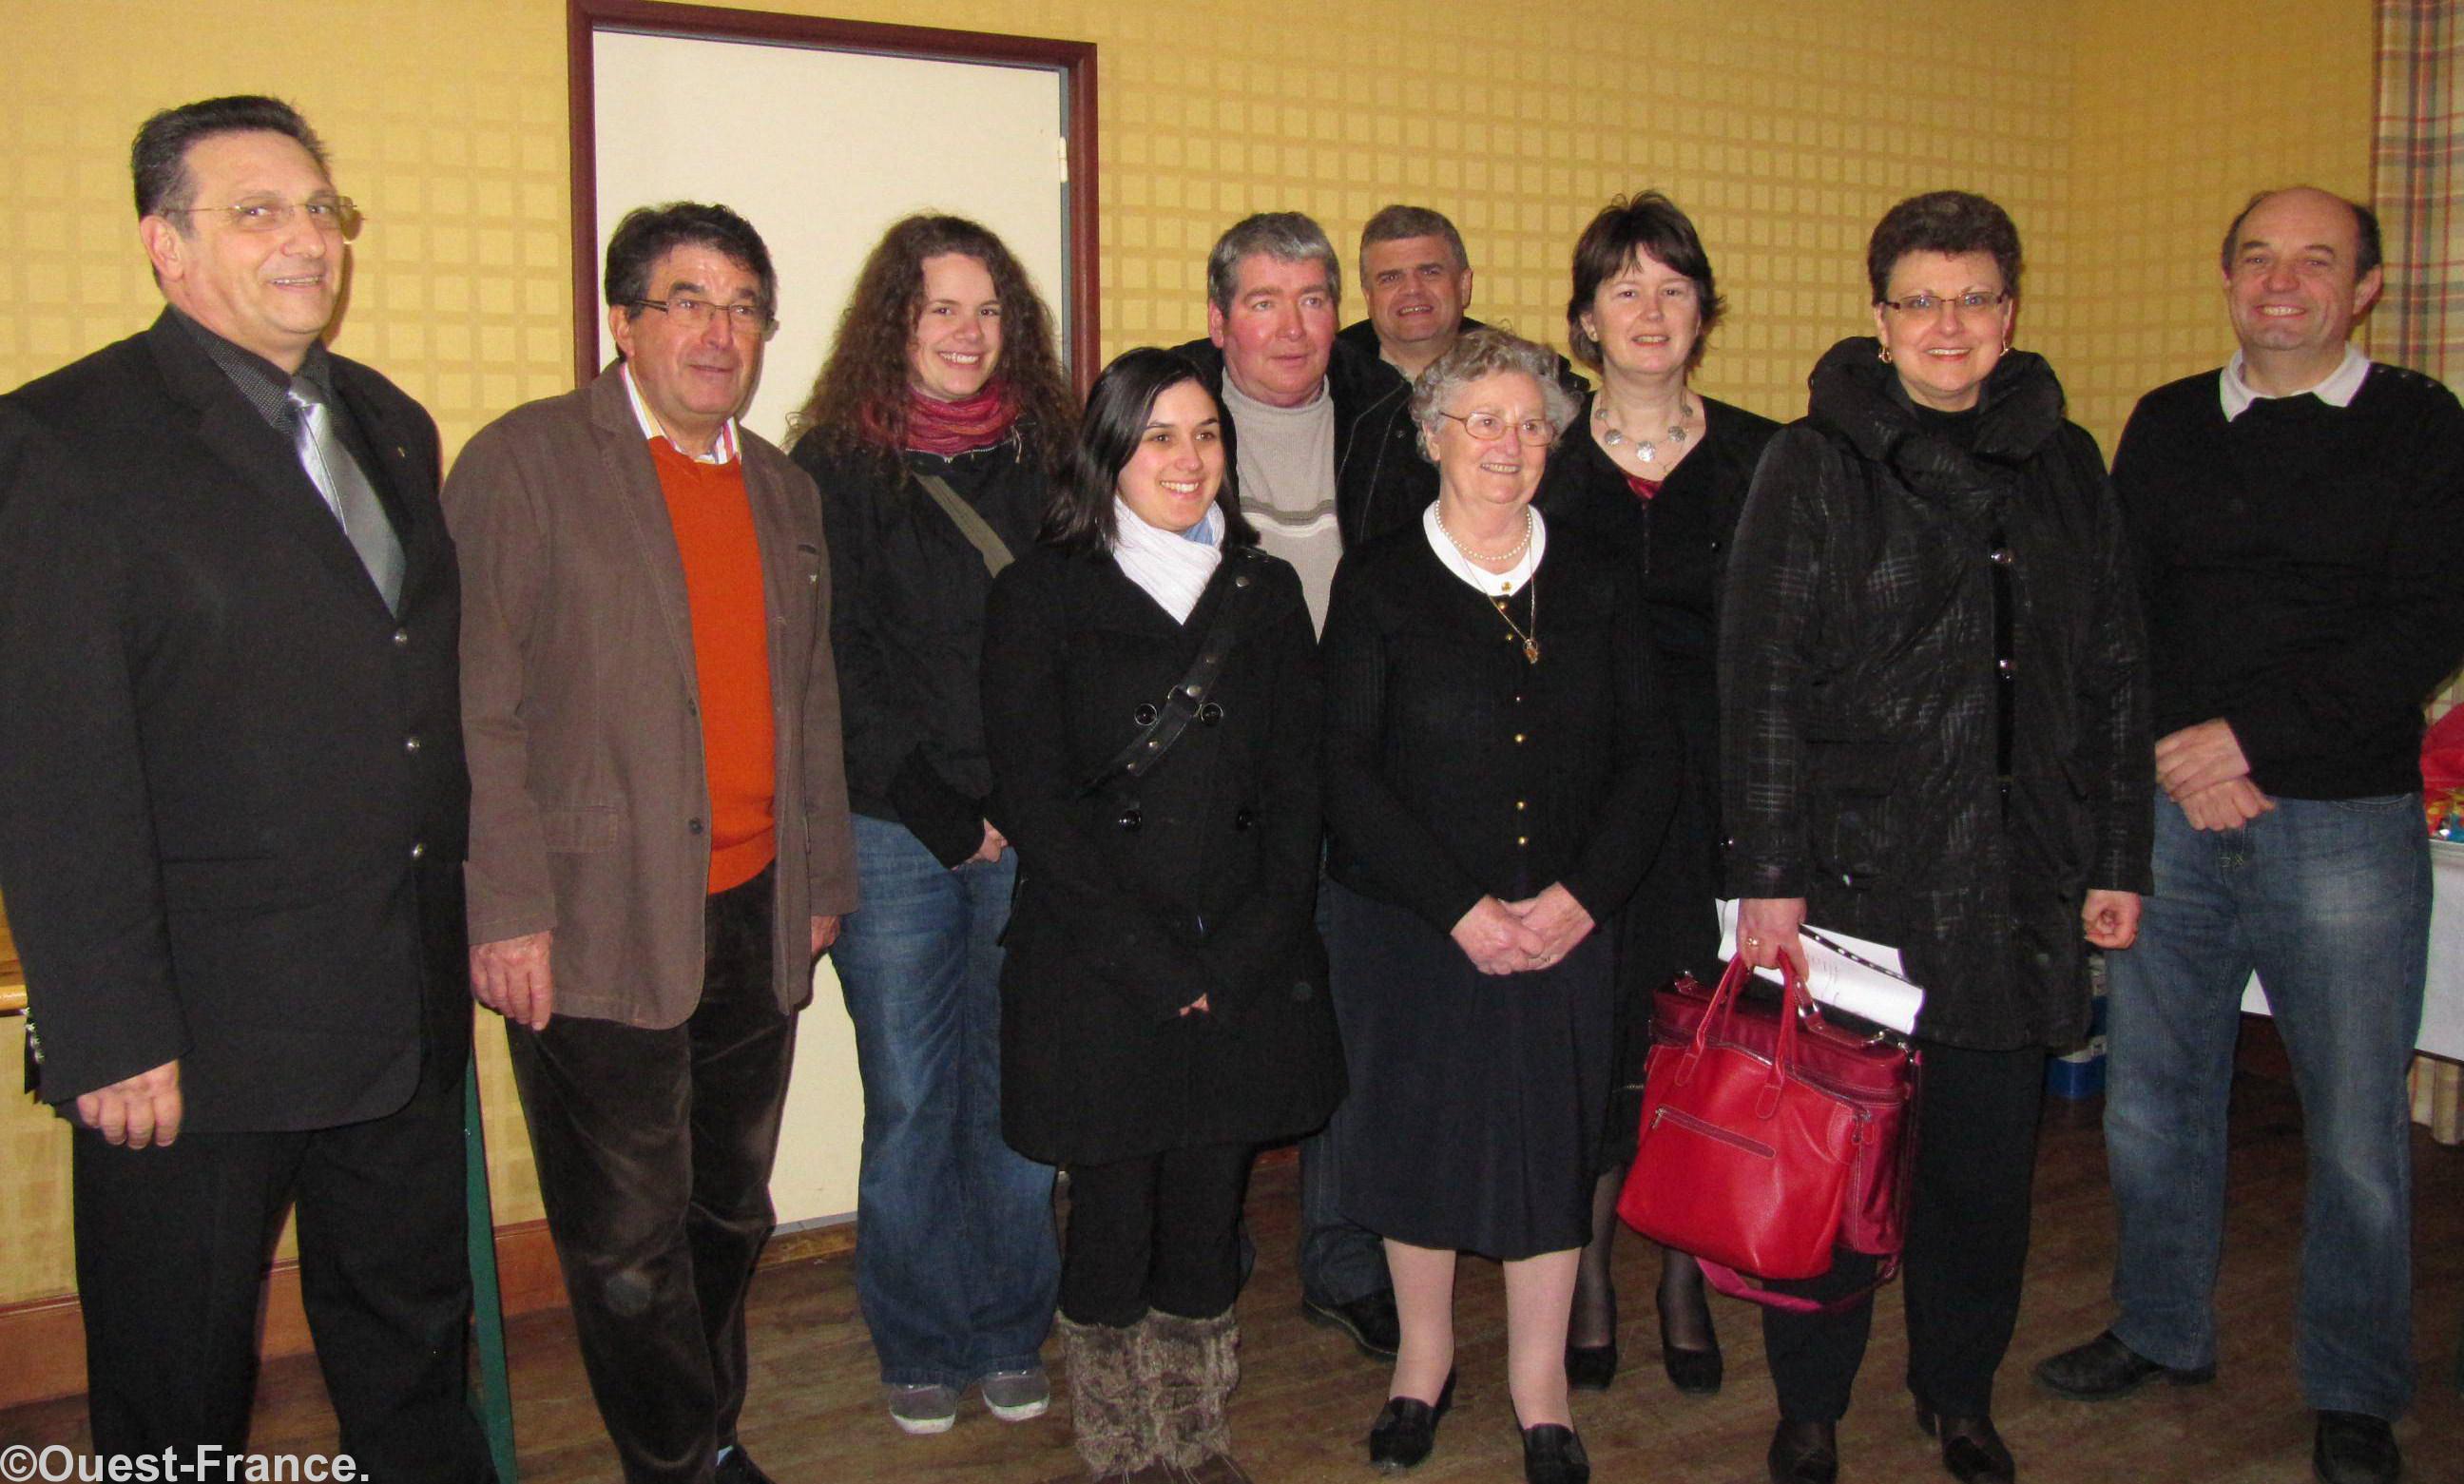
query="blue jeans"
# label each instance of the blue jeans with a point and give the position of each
(957, 1268)
(2329, 901)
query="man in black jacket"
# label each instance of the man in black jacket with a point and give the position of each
(1321, 431)
(1418, 279)
(232, 806)
(2294, 517)
(1324, 443)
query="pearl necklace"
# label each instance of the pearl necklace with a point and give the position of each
(1510, 554)
(1645, 449)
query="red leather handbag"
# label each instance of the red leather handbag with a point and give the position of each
(1769, 1136)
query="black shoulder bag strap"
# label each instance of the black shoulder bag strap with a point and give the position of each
(1189, 696)
(987, 541)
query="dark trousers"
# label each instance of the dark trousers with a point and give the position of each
(1160, 1233)
(1341, 1261)
(172, 1250)
(654, 1151)
(1967, 1247)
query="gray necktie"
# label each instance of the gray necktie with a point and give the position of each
(338, 478)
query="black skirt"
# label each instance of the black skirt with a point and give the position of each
(1477, 1101)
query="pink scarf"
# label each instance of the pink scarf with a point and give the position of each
(947, 427)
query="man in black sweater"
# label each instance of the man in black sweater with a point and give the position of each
(2294, 517)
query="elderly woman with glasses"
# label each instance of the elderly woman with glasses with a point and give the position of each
(1500, 767)
(1934, 735)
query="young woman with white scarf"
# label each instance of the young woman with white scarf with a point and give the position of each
(1151, 710)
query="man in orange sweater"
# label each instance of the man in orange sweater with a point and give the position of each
(660, 843)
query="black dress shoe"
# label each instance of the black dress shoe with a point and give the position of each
(1406, 1430)
(1552, 1454)
(2106, 1368)
(1970, 1449)
(1804, 1452)
(1591, 1367)
(2355, 1448)
(1693, 1372)
(1369, 1321)
(738, 1467)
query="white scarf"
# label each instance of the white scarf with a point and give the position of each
(1173, 567)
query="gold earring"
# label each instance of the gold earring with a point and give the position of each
(1886, 355)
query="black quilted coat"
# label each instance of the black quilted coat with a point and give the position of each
(1861, 633)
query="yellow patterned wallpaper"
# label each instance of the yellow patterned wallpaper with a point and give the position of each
(2114, 133)
(2178, 121)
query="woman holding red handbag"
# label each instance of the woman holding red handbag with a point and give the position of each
(1934, 735)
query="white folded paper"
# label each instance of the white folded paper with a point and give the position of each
(1846, 974)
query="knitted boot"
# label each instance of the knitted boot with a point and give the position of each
(1114, 1420)
(1195, 1366)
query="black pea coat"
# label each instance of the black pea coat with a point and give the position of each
(1858, 706)
(1140, 897)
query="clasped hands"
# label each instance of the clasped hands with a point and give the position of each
(2202, 769)
(1515, 937)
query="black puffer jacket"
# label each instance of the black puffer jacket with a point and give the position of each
(907, 626)
(1860, 716)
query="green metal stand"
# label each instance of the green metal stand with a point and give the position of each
(495, 1403)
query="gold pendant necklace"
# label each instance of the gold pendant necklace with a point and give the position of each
(1531, 637)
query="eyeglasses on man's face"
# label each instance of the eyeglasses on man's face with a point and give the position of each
(338, 215)
(751, 321)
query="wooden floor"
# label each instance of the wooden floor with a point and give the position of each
(1306, 1398)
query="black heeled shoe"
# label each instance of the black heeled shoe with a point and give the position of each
(1693, 1372)
(1970, 1449)
(1804, 1452)
(1591, 1367)
(1552, 1454)
(1406, 1430)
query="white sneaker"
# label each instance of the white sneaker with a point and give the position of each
(919, 1411)
(1015, 1395)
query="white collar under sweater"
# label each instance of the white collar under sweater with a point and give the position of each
(1173, 567)
(2343, 384)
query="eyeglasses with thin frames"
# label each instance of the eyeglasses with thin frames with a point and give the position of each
(338, 215)
(1975, 301)
(695, 315)
(1489, 427)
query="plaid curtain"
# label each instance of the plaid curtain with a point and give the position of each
(2419, 143)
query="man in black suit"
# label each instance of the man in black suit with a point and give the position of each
(232, 806)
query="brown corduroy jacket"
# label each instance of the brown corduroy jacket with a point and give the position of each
(590, 809)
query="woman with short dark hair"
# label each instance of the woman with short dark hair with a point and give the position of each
(1934, 733)
(933, 432)
(1655, 473)
(1151, 701)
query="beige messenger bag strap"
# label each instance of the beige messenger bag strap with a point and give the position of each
(987, 541)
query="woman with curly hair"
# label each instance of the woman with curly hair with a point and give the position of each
(933, 432)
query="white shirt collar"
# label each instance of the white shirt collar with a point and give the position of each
(2342, 385)
(1488, 584)
(721, 451)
